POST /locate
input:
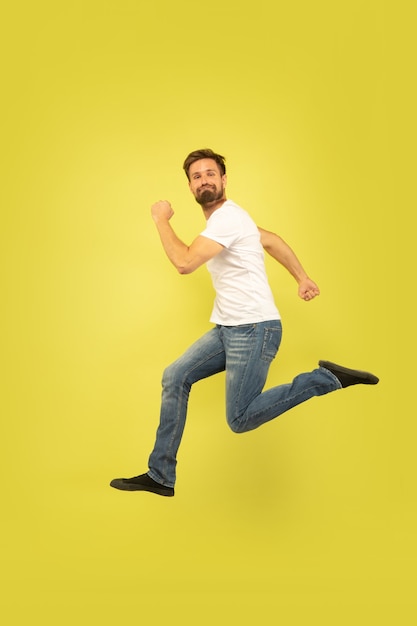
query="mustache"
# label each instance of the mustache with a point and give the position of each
(206, 186)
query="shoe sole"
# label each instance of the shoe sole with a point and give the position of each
(365, 377)
(123, 486)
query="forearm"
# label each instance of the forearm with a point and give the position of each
(281, 252)
(174, 248)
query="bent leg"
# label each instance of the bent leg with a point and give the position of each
(204, 358)
(277, 400)
(250, 351)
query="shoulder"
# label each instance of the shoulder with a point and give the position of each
(229, 211)
(231, 207)
(230, 224)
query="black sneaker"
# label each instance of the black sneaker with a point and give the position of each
(142, 483)
(349, 377)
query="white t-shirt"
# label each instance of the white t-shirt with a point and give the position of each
(243, 295)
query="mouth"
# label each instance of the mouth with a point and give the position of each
(207, 188)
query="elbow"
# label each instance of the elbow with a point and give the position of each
(184, 269)
(182, 264)
(186, 264)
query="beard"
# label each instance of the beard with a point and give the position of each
(208, 195)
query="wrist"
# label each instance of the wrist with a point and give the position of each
(160, 219)
(300, 278)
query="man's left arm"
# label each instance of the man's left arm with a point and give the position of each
(185, 258)
(281, 252)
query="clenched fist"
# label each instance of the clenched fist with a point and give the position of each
(161, 210)
(307, 289)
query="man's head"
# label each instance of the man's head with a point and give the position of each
(204, 154)
(206, 173)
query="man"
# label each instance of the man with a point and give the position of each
(247, 331)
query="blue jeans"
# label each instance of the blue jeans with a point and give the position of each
(245, 352)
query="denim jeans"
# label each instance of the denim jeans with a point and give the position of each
(245, 352)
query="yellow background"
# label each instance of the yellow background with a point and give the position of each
(309, 520)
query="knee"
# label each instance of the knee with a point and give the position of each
(173, 376)
(169, 375)
(236, 426)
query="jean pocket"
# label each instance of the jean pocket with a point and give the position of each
(272, 339)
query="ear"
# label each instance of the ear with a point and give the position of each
(224, 180)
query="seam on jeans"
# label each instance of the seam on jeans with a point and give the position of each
(267, 354)
(183, 380)
(290, 398)
(242, 378)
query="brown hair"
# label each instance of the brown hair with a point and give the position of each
(206, 153)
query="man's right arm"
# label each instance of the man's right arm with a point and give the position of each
(185, 258)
